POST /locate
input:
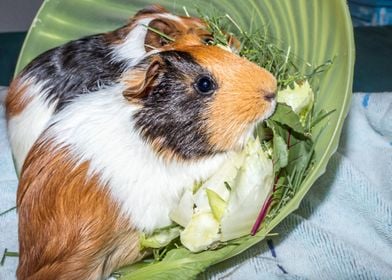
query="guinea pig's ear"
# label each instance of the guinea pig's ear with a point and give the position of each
(152, 9)
(154, 39)
(140, 80)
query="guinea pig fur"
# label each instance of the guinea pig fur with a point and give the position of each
(56, 77)
(114, 164)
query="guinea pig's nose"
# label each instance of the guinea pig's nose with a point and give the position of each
(269, 96)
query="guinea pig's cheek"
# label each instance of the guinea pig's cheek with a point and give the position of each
(231, 115)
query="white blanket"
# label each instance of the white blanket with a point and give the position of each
(342, 230)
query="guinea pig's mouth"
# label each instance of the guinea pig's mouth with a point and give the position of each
(270, 112)
(252, 126)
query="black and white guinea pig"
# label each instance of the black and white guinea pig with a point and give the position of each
(113, 164)
(56, 77)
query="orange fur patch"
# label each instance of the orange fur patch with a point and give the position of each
(16, 99)
(240, 99)
(69, 227)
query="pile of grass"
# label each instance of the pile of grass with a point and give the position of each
(257, 46)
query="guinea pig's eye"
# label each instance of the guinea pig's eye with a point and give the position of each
(205, 85)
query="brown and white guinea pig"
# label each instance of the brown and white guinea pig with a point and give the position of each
(113, 164)
(56, 77)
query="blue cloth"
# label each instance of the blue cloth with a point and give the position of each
(342, 230)
(8, 186)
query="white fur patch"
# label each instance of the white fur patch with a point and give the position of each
(133, 46)
(99, 128)
(25, 128)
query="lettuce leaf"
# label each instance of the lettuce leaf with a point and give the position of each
(161, 238)
(252, 186)
(300, 98)
(201, 232)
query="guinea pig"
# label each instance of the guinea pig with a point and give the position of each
(113, 164)
(56, 77)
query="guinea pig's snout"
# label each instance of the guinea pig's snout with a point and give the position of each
(268, 96)
(267, 91)
(268, 85)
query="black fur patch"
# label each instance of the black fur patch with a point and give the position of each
(172, 112)
(75, 68)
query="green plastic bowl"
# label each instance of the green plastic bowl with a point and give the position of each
(316, 31)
